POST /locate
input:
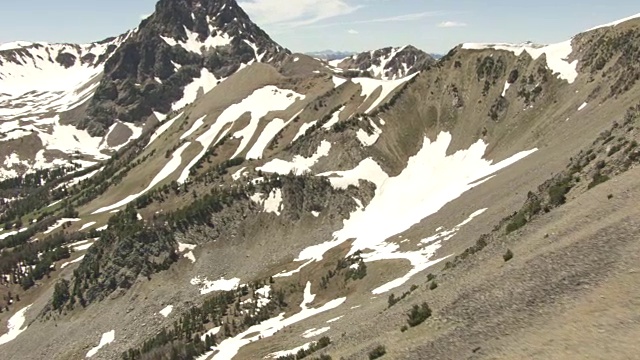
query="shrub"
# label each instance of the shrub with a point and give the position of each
(377, 353)
(418, 314)
(508, 255)
(598, 179)
(518, 221)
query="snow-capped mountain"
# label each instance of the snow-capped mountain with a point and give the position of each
(329, 55)
(387, 63)
(268, 205)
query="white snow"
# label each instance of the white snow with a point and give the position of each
(87, 225)
(229, 348)
(315, 332)
(15, 326)
(213, 331)
(83, 247)
(335, 319)
(290, 273)
(557, 55)
(64, 265)
(193, 44)
(11, 233)
(369, 86)
(293, 351)
(615, 23)
(166, 311)
(102, 228)
(168, 169)
(584, 105)
(196, 125)
(337, 81)
(303, 129)
(365, 138)
(107, 338)
(315, 213)
(273, 202)
(506, 87)
(217, 285)
(259, 104)
(190, 256)
(58, 224)
(368, 169)
(299, 165)
(435, 180)
(163, 128)
(206, 82)
(184, 247)
(270, 131)
(238, 174)
(335, 117)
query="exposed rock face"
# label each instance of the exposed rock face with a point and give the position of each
(389, 63)
(182, 40)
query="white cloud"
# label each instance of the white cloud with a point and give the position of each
(450, 24)
(295, 13)
(144, 16)
(397, 18)
(353, 32)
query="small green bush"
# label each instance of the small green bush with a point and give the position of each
(377, 353)
(418, 314)
(508, 255)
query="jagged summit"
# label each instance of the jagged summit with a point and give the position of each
(387, 63)
(182, 41)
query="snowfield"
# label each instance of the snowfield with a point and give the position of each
(15, 326)
(217, 285)
(299, 165)
(369, 86)
(106, 339)
(435, 179)
(229, 348)
(258, 104)
(557, 55)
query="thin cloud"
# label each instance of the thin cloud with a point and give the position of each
(451, 24)
(353, 32)
(397, 18)
(295, 13)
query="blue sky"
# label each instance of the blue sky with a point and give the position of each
(306, 25)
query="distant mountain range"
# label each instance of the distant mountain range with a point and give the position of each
(335, 55)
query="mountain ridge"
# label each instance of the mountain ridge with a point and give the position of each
(295, 199)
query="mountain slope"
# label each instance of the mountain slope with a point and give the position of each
(294, 200)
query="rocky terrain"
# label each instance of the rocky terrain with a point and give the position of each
(196, 191)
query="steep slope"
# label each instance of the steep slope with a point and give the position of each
(387, 63)
(281, 208)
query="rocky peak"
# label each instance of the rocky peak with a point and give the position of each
(183, 40)
(388, 63)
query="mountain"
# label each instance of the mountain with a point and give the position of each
(114, 87)
(279, 206)
(387, 63)
(331, 54)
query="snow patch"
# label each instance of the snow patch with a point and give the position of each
(196, 125)
(315, 332)
(217, 285)
(166, 311)
(436, 179)
(584, 105)
(64, 265)
(369, 86)
(106, 339)
(557, 55)
(299, 165)
(15, 326)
